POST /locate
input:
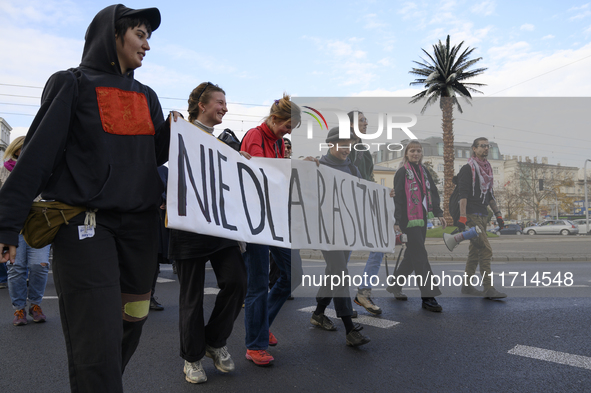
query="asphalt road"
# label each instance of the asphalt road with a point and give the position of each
(535, 340)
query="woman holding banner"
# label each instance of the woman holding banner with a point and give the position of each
(416, 200)
(191, 251)
(337, 158)
(261, 306)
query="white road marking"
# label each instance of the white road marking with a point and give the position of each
(163, 280)
(552, 356)
(211, 291)
(362, 319)
(50, 297)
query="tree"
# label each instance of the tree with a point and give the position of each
(510, 199)
(443, 76)
(554, 178)
(429, 166)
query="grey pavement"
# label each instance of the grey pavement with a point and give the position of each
(505, 248)
(535, 340)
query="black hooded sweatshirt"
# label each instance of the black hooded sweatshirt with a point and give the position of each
(96, 141)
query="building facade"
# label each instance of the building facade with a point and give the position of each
(5, 129)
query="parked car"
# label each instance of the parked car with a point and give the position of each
(553, 227)
(582, 224)
(509, 229)
(429, 224)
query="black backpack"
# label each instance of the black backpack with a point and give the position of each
(454, 202)
(229, 138)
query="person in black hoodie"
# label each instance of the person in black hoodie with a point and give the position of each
(96, 142)
(337, 158)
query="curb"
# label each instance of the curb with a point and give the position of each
(362, 256)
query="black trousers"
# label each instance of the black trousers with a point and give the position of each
(230, 273)
(336, 265)
(417, 259)
(103, 283)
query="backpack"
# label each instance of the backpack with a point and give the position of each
(229, 138)
(454, 202)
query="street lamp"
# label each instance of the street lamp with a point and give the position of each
(586, 197)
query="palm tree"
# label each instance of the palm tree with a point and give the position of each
(443, 76)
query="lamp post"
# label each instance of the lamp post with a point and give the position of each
(586, 197)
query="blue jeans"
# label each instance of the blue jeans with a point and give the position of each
(261, 306)
(28, 259)
(372, 268)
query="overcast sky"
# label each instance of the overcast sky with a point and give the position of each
(259, 49)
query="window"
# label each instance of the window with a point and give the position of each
(440, 168)
(496, 170)
(383, 182)
(459, 153)
(495, 152)
(440, 149)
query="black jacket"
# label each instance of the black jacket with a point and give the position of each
(475, 204)
(83, 153)
(344, 166)
(364, 162)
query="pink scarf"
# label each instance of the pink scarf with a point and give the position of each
(414, 203)
(484, 171)
(9, 164)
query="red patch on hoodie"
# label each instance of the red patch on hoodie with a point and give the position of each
(124, 112)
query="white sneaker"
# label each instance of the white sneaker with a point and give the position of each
(194, 372)
(363, 298)
(221, 358)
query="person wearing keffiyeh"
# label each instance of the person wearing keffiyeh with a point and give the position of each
(475, 182)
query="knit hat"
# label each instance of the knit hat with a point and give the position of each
(333, 135)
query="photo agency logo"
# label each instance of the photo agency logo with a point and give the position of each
(391, 127)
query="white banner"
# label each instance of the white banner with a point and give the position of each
(332, 210)
(213, 190)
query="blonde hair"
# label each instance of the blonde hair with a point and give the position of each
(13, 148)
(284, 111)
(201, 93)
(414, 143)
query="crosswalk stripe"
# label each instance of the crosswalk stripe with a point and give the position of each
(552, 356)
(362, 319)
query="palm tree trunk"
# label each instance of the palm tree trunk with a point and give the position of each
(448, 155)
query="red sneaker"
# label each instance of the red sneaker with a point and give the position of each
(272, 339)
(37, 314)
(20, 318)
(259, 357)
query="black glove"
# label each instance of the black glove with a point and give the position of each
(500, 221)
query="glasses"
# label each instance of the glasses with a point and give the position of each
(484, 146)
(205, 88)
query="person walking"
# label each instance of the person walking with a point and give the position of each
(337, 158)
(191, 251)
(262, 305)
(475, 182)
(96, 143)
(27, 276)
(416, 200)
(363, 160)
